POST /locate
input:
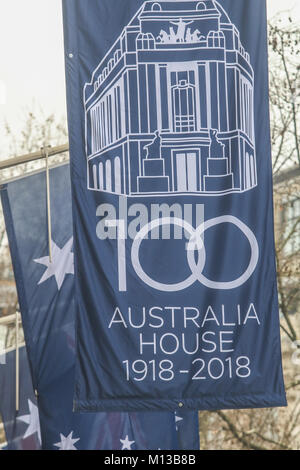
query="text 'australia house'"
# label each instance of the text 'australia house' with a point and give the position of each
(170, 108)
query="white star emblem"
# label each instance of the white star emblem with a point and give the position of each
(126, 443)
(61, 265)
(32, 420)
(66, 443)
(177, 420)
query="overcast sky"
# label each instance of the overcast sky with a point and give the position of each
(32, 60)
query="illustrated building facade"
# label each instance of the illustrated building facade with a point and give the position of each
(170, 108)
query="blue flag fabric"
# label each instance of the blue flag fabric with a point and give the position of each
(172, 203)
(46, 297)
(22, 428)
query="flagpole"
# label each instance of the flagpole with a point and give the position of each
(31, 157)
(17, 363)
(7, 319)
(46, 152)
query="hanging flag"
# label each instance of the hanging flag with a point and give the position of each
(46, 296)
(172, 204)
(187, 429)
(22, 427)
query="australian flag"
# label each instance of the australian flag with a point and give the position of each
(21, 426)
(46, 296)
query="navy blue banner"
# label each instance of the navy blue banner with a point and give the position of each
(172, 203)
(46, 296)
(22, 426)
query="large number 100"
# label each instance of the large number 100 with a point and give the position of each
(195, 243)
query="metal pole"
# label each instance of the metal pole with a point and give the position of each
(7, 319)
(17, 364)
(8, 350)
(31, 157)
(46, 151)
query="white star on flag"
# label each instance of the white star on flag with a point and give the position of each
(177, 420)
(61, 265)
(126, 443)
(32, 420)
(66, 443)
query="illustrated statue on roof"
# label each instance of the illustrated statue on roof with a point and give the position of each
(181, 28)
(182, 35)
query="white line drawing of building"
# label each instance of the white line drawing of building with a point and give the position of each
(170, 108)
